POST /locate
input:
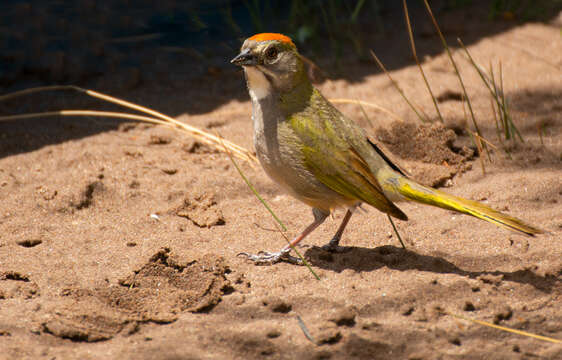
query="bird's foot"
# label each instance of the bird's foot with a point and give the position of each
(334, 247)
(268, 258)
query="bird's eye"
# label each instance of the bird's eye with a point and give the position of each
(271, 53)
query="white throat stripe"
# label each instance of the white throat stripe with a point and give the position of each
(258, 85)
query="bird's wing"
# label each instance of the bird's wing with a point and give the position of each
(331, 152)
(389, 159)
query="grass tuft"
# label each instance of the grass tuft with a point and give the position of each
(504, 121)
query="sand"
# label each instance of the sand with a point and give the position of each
(119, 240)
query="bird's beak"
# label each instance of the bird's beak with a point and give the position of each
(245, 58)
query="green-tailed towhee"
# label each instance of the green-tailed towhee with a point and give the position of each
(321, 157)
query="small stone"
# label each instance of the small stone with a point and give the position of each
(344, 317)
(193, 146)
(468, 306)
(28, 243)
(455, 340)
(491, 279)
(277, 305)
(159, 140)
(407, 310)
(273, 333)
(328, 337)
(169, 171)
(133, 154)
(504, 314)
(370, 325)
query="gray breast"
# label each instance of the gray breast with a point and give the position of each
(278, 150)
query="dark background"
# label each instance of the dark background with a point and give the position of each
(142, 49)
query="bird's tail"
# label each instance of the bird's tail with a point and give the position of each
(411, 190)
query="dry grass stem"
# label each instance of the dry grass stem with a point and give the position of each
(414, 53)
(504, 328)
(380, 64)
(201, 135)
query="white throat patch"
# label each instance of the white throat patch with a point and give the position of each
(258, 85)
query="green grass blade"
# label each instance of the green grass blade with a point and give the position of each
(396, 231)
(356, 11)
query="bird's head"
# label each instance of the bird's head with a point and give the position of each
(271, 63)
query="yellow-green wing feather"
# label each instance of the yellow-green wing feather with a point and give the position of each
(329, 153)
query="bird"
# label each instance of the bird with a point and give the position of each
(321, 157)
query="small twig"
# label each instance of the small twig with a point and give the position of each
(478, 145)
(305, 330)
(482, 139)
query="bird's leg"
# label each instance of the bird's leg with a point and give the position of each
(267, 258)
(333, 245)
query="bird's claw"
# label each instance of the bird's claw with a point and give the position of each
(268, 258)
(333, 247)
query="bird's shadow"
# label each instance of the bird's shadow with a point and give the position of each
(367, 259)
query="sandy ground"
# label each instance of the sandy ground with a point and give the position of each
(119, 240)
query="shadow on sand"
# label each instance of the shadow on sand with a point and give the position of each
(368, 259)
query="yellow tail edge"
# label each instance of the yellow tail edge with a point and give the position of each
(426, 195)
